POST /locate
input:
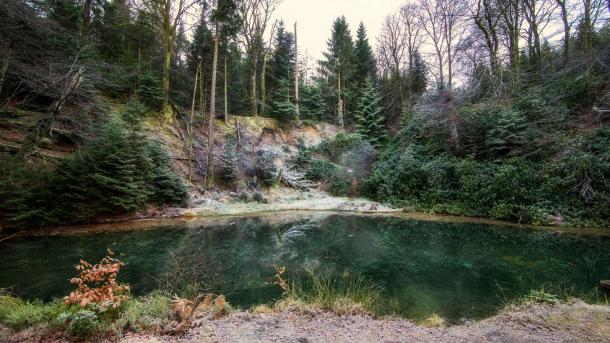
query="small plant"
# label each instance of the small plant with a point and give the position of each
(347, 294)
(97, 287)
(279, 280)
(82, 323)
(540, 296)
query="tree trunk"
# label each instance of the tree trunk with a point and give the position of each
(587, 29)
(226, 93)
(566, 30)
(210, 166)
(45, 125)
(297, 100)
(3, 69)
(190, 124)
(202, 94)
(167, 62)
(253, 85)
(264, 85)
(340, 103)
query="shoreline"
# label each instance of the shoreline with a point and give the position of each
(565, 321)
(218, 213)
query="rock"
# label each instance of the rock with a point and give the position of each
(605, 284)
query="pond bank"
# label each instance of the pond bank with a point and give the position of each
(572, 321)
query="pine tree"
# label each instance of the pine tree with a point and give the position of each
(417, 80)
(369, 119)
(366, 66)
(338, 70)
(281, 63)
(282, 107)
(312, 103)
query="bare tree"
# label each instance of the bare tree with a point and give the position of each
(392, 44)
(487, 16)
(255, 15)
(511, 28)
(537, 14)
(392, 55)
(412, 29)
(166, 16)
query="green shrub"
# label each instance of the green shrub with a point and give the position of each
(333, 148)
(18, 314)
(81, 324)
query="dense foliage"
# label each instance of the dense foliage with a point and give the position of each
(118, 171)
(506, 167)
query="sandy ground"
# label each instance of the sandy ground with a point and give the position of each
(568, 322)
(286, 200)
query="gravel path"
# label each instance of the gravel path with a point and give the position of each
(568, 322)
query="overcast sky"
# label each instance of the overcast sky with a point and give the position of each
(315, 18)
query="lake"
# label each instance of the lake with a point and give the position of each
(457, 270)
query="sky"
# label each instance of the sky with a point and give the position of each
(315, 19)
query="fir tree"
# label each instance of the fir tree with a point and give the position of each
(282, 107)
(366, 66)
(369, 120)
(417, 80)
(338, 70)
(312, 102)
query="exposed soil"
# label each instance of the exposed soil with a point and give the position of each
(567, 322)
(573, 321)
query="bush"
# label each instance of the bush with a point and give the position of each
(18, 314)
(81, 324)
(333, 148)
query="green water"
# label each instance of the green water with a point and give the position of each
(456, 270)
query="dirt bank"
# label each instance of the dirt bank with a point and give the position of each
(568, 322)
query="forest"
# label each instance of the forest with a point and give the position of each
(483, 108)
(190, 170)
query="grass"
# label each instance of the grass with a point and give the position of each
(345, 295)
(136, 314)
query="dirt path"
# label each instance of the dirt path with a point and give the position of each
(568, 322)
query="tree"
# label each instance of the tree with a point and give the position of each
(282, 59)
(511, 26)
(314, 106)
(487, 17)
(282, 107)
(166, 17)
(369, 120)
(417, 80)
(224, 18)
(412, 30)
(366, 66)
(255, 15)
(338, 67)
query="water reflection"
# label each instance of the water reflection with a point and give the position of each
(457, 270)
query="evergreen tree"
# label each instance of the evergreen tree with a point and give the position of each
(282, 107)
(281, 64)
(313, 106)
(338, 70)
(369, 119)
(115, 29)
(366, 66)
(417, 79)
